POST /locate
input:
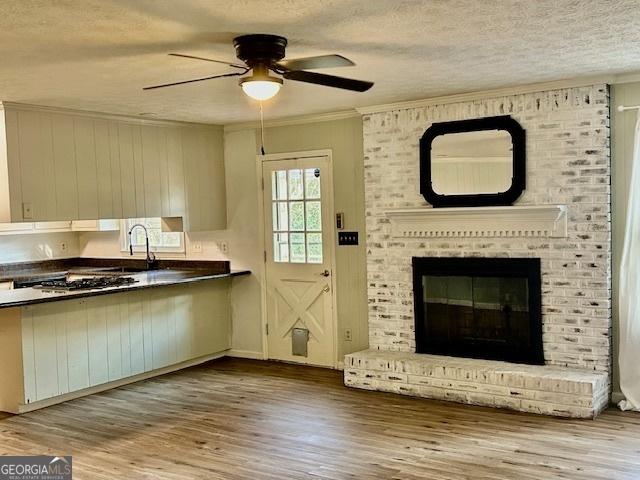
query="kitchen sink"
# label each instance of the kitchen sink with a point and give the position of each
(131, 269)
(108, 271)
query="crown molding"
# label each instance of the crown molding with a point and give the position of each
(139, 120)
(611, 79)
(486, 94)
(625, 78)
(297, 120)
(454, 98)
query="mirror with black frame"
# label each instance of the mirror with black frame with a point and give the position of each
(474, 162)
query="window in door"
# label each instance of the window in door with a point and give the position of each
(297, 216)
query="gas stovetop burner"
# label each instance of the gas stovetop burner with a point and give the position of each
(86, 283)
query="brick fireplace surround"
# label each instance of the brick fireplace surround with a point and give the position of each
(568, 163)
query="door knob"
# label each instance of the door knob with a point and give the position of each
(326, 273)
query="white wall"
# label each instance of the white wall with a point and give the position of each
(244, 246)
(33, 247)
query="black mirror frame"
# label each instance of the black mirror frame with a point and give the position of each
(518, 181)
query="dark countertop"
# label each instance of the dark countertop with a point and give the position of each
(168, 273)
(49, 268)
(158, 278)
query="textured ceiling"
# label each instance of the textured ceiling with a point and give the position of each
(97, 54)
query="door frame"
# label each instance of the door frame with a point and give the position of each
(260, 160)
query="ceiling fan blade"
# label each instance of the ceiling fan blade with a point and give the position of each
(193, 57)
(235, 74)
(310, 63)
(329, 80)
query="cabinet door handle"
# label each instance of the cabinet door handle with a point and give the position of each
(326, 273)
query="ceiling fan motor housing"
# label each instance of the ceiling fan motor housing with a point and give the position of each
(260, 48)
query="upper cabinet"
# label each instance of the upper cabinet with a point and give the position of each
(75, 166)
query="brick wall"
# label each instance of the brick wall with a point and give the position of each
(568, 162)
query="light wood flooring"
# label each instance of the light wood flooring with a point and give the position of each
(240, 419)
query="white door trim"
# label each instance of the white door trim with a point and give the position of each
(260, 159)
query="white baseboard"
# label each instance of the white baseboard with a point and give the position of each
(245, 354)
(24, 408)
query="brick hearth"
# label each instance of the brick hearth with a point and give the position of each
(557, 391)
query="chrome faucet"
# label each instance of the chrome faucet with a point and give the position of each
(151, 258)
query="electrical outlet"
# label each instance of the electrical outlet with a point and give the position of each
(64, 247)
(197, 247)
(223, 246)
(27, 211)
(348, 335)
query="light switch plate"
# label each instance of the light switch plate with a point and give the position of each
(347, 238)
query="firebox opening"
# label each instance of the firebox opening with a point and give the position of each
(479, 307)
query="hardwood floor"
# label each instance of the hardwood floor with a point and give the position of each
(240, 419)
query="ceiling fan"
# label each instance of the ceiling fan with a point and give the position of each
(262, 54)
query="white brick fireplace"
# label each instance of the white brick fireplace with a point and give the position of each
(568, 175)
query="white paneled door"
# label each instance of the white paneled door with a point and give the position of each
(299, 238)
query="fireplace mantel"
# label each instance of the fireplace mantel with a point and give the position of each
(512, 221)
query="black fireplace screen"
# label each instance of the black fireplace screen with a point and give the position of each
(478, 307)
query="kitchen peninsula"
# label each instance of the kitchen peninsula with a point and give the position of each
(60, 341)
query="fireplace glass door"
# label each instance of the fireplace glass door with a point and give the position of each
(463, 309)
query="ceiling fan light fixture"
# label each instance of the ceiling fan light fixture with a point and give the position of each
(261, 87)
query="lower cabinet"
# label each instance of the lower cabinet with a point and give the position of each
(73, 345)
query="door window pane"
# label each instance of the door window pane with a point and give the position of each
(296, 190)
(298, 250)
(280, 247)
(297, 216)
(279, 185)
(314, 248)
(280, 217)
(314, 217)
(312, 183)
